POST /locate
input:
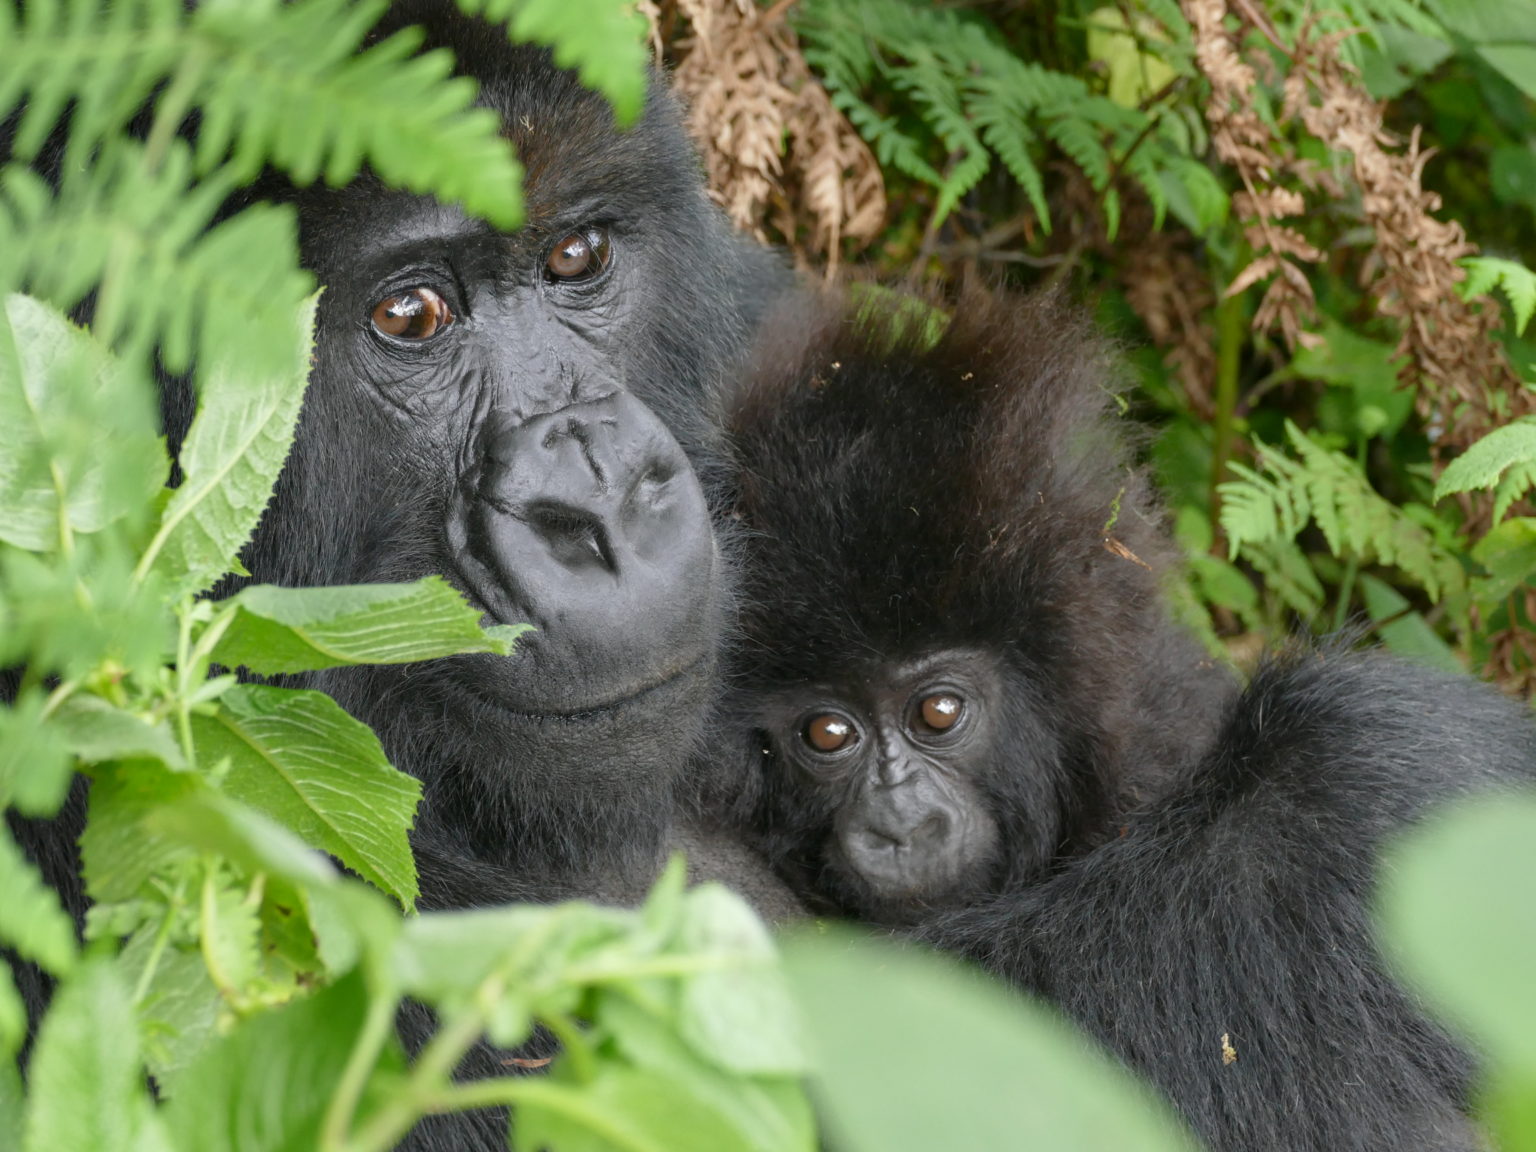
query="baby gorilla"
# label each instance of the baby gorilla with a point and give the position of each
(953, 639)
(960, 707)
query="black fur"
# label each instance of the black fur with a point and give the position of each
(1207, 869)
(559, 773)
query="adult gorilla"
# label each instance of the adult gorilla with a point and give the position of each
(517, 413)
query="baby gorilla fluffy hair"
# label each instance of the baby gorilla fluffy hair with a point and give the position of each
(954, 641)
(960, 707)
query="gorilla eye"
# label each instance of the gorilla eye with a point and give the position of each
(829, 732)
(580, 256)
(418, 314)
(939, 712)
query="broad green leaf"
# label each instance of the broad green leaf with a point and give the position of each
(1508, 552)
(86, 1086)
(621, 1109)
(231, 459)
(79, 430)
(32, 921)
(265, 1087)
(121, 850)
(205, 821)
(179, 1009)
(13, 1029)
(1406, 632)
(914, 1053)
(35, 765)
(303, 629)
(1481, 465)
(1455, 909)
(12, 1098)
(96, 731)
(1515, 62)
(297, 757)
(739, 1016)
(603, 41)
(769, 1114)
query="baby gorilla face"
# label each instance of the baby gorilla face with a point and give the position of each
(889, 764)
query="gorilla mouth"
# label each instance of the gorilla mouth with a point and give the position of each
(598, 708)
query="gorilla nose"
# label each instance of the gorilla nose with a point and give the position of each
(589, 523)
(926, 834)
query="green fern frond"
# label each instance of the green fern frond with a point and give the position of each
(281, 84)
(1504, 457)
(1319, 485)
(973, 99)
(603, 41)
(1484, 273)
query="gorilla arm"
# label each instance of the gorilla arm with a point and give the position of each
(1233, 918)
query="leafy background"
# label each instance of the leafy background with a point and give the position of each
(1342, 428)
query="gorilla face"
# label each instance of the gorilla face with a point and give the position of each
(890, 779)
(520, 462)
(518, 413)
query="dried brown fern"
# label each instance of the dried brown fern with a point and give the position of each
(780, 159)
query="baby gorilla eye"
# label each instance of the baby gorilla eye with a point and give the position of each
(580, 256)
(940, 711)
(418, 314)
(829, 732)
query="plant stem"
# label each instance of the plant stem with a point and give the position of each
(354, 1077)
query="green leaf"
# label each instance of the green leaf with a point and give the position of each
(1406, 632)
(768, 1114)
(621, 1109)
(1508, 552)
(87, 1087)
(1515, 62)
(95, 731)
(13, 1030)
(229, 931)
(32, 921)
(1518, 281)
(79, 449)
(266, 1087)
(740, 1016)
(914, 1053)
(121, 850)
(35, 764)
(297, 757)
(180, 1005)
(231, 459)
(303, 629)
(1481, 465)
(1454, 907)
(602, 40)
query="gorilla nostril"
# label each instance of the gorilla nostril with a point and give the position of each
(576, 539)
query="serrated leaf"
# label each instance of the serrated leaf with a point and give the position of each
(297, 757)
(1003, 1073)
(79, 430)
(740, 1016)
(180, 1006)
(276, 1073)
(231, 459)
(87, 1087)
(304, 629)
(1481, 465)
(96, 731)
(32, 921)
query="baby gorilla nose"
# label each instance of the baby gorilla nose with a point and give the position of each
(909, 857)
